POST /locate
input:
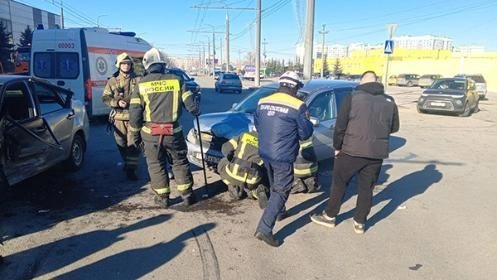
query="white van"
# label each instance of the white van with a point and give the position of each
(82, 59)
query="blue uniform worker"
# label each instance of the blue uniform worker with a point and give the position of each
(282, 120)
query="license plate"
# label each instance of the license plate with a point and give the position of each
(437, 104)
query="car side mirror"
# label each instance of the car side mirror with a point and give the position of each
(216, 78)
(192, 79)
(314, 121)
(234, 105)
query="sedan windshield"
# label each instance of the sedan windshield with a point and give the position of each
(454, 84)
(249, 104)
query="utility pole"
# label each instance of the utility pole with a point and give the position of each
(227, 26)
(213, 53)
(309, 38)
(258, 45)
(323, 32)
(220, 51)
(62, 13)
(264, 43)
(227, 43)
(209, 54)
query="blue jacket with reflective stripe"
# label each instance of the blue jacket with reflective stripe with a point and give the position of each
(281, 120)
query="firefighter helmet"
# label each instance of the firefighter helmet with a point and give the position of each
(153, 56)
(291, 79)
(123, 57)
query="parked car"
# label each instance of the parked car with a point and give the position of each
(428, 79)
(190, 83)
(228, 81)
(323, 98)
(481, 84)
(455, 95)
(408, 80)
(40, 126)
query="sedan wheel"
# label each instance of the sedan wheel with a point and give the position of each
(77, 155)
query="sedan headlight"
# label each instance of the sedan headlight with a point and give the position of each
(192, 136)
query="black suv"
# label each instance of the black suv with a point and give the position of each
(190, 83)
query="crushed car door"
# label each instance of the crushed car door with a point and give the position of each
(54, 105)
(27, 141)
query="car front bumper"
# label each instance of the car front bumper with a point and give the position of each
(441, 104)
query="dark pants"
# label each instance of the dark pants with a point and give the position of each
(157, 160)
(344, 169)
(280, 177)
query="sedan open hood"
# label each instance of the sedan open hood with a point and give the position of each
(226, 124)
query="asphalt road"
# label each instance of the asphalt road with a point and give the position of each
(433, 215)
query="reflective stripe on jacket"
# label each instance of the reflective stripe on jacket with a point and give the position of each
(159, 98)
(306, 163)
(120, 87)
(245, 163)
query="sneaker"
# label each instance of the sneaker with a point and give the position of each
(324, 220)
(268, 238)
(359, 228)
(163, 201)
(262, 198)
(131, 175)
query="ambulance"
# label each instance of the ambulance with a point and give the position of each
(83, 59)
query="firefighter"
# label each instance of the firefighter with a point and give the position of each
(155, 110)
(117, 95)
(282, 120)
(241, 168)
(305, 169)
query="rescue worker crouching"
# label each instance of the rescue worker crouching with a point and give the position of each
(305, 169)
(241, 168)
(155, 109)
(117, 95)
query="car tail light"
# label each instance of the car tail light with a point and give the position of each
(88, 91)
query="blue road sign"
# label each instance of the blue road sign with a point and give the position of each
(388, 47)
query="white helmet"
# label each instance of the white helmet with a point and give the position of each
(153, 56)
(291, 79)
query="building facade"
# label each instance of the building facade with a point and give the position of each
(16, 17)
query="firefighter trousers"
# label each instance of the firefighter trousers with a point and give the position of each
(129, 154)
(157, 153)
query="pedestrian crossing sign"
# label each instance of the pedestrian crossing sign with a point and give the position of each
(388, 47)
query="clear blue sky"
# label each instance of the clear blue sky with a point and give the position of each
(167, 23)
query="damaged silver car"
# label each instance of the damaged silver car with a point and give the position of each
(40, 126)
